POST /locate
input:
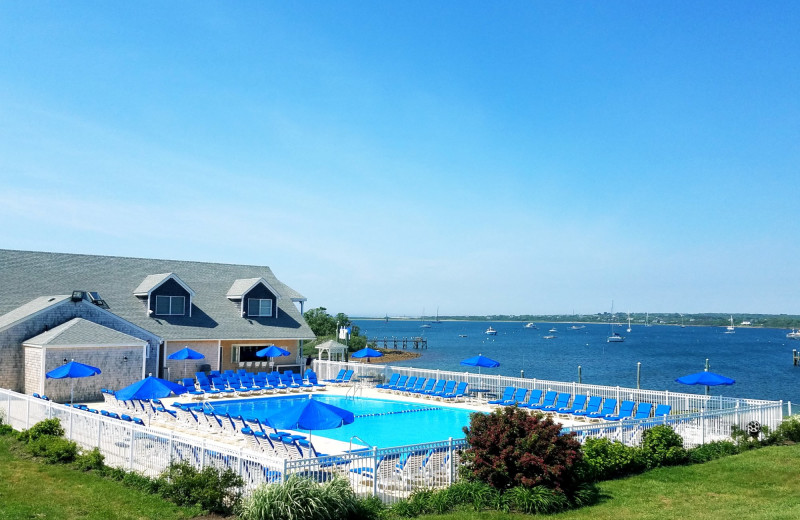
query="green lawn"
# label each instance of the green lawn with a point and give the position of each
(32, 490)
(757, 485)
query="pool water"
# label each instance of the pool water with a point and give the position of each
(379, 422)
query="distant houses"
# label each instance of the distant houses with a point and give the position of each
(126, 315)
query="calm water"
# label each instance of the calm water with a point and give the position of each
(760, 360)
(378, 422)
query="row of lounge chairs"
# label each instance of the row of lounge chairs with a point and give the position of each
(239, 384)
(581, 408)
(428, 388)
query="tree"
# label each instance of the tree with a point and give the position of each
(321, 323)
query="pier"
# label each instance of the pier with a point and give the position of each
(418, 342)
(795, 357)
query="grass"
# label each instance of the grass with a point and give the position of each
(757, 485)
(32, 490)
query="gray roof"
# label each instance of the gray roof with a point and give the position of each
(27, 275)
(241, 286)
(78, 331)
(28, 309)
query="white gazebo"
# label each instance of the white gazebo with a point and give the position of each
(334, 349)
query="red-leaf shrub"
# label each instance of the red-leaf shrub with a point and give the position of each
(510, 447)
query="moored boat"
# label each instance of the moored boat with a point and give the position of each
(491, 332)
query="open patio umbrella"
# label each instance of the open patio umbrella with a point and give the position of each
(184, 354)
(150, 388)
(271, 352)
(481, 361)
(72, 370)
(366, 352)
(310, 415)
(705, 378)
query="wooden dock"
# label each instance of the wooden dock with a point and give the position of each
(795, 357)
(418, 342)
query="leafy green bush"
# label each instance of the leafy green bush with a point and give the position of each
(478, 495)
(587, 494)
(303, 498)
(91, 460)
(510, 447)
(604, 459)
(6, 429)
(788, 430)
(369, 508)
(216, 491)
(146, 484)
(55, 450)
(711, 451)
(48, 427)
(661, 446)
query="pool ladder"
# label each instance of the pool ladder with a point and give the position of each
(355, 388)
(365, 443)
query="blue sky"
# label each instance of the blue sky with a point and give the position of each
(395, 157)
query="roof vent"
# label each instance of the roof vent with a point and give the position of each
(77, 296)
(95, 298)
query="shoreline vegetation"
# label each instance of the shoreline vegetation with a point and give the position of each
(768, 321)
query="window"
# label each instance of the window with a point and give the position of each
(170, 305)
(258, 307)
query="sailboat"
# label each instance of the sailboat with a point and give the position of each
(437, 316)
(730, 329)
(629, 322)
(614, 337)
(424, 325)
(647, 319)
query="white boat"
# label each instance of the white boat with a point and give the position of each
(613, 337)
(795, 334)
(531, 325)
(437, 316)
(549, 337)
(730, 329)
(491, 332)
(629, 322)
(553, 330)
(578, 327)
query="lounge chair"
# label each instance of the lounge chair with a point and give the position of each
(518, 398)
(298, 380)
(311, 377)
(534, 397)
(548, 400)
(392, 381)
(609, 405)
(419, 385)
(410, 382)
(429, 384)
(437, 387)
(401, 382)
(643, 411)
(561, 402)
(345, 380)
(458, 394)
(593, 406)
(625, 411)
(449, 388)
(508, 393)
(338, 377)
(577, 404)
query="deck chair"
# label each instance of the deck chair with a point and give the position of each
(458, 394)
(449, 388)
(561, 401)
(429, 384)
(533, 398)
(625, 411)
(508, 393)
(401, 382)
(519, 397)
(593, 406)
(338, 377)
(392, 381)
(438, 387)
(609, 405)
(643, 411)
(409, 384)
(577, 404)
(548, 400)
(419, 385)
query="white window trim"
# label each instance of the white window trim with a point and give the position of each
(170, 313)
(260, 300)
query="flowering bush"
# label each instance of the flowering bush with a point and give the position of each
(510, 447)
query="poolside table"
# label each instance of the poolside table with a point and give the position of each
(475, 394)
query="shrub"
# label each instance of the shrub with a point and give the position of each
(587, 494)
(788, 430)
(711, 451)
(6, 429)
(54, 450)
(510, 447)
(478, 495)
(661, 446)
(216, 491)
(369, 508)
(604, 459)
(537, 500)
(48, 427)
(303, 498)
(91, 460)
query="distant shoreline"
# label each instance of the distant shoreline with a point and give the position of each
(761, 322)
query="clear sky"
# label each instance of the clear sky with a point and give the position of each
(399, 156)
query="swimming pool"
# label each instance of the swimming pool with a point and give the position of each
(379, 422)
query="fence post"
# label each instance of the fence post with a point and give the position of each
(283, 473)
(131, 455)
(28, 413)
(702, 426)
(99, 430)
(451, 464)
(71, 415)
(203, 455)
(374, 471)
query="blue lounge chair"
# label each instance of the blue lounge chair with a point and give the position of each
(508, 393)
(407, 386)
(338, 377)
(593, 406)
(643, 411)
(401, 382)
(429, 384)
(518, 398)
(561, 401)
(345, 378)
(311, 377)
(437, 387)
(419, 385)
(533, 398)
(449, 388)
(625, 411)
(577, 404)
(662, 410)
(392, 382)
(548, 400)
(609, 405)
(458, 394)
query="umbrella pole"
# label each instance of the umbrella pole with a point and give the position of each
(71, 391)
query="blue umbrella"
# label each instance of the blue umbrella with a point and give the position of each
(184, 354)
(310, 415)
(150, 388)
(366, 352)
(705, 378)
(272, 352)
(72, 370)
(481, 361)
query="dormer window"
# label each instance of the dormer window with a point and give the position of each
(170, 305)
(259, 307)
